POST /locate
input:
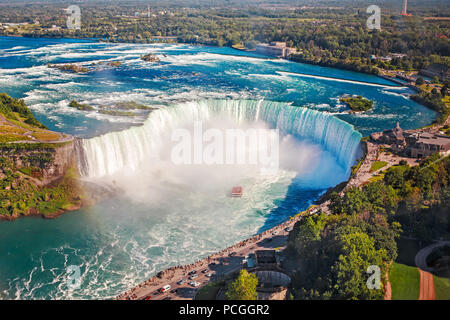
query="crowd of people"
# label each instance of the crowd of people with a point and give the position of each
(163, 276)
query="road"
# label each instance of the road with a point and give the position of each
(223, 263)
(427, 291)
(421, 256)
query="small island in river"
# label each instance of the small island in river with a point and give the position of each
(358, 103)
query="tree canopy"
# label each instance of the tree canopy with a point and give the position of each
(244, 287)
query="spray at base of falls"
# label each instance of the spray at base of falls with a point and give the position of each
(115, 151)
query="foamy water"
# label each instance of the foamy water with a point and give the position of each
(170, 215)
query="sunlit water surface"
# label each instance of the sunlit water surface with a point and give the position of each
(170, 215)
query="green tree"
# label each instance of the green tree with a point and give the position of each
(309, 235)
(243, 288)
(382, 198)
(349, 272)
(395, 177)
(354, 201)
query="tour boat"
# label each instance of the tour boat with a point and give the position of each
(236, 192)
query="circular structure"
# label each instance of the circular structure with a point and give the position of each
(272, 285)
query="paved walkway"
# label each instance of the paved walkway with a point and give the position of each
(388, 292)
(426, 286)
(222, 263)
(364, 174)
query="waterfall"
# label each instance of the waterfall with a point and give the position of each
(115, 151)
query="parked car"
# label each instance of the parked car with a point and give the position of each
(181, 281)
(205, 270)
(275, 232)
(165, 288)
(232, 254)
(209, 275)
(192, 272)
(191, 277)
(194, 283)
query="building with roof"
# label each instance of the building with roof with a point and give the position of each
(266, 258)
(436, 69)
(393, 137)
(427, 144)
(272, 284)
(273, 281)
(413, 144)
(276, 48)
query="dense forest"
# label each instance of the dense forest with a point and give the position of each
(335, 251)
(326, 35)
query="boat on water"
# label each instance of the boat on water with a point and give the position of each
(236, 192)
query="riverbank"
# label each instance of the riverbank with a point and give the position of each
(87, 194)
(227, 260)
(232, 258)
(338, 67)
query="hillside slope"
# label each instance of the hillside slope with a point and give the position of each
(37, 174)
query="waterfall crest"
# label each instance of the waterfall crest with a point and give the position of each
(115, 151)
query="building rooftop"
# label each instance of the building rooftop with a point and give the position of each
(265, 257)
(427, 138)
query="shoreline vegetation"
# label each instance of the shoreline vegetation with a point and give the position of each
(335, 37)
(344, 234)
(432, 101)
(357, 226)
(38, 175)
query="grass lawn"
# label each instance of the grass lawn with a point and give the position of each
(10, 137)
(405, 282)
(442, 288)
(377, 165)
(45, 135)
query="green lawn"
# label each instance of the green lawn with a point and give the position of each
(442, 288)
(377, 165)
(405, 282)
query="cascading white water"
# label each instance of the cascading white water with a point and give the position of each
(126, 150)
